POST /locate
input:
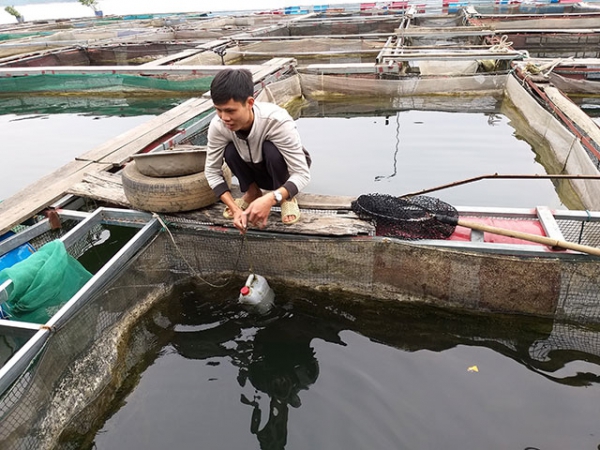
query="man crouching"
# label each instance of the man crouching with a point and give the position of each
(261, 145)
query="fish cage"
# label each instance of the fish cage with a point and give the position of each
(569, 135)
(100, 55)
(88, 239)
(86, 359)
(306, 50)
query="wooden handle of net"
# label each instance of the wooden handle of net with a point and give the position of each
(530, 237)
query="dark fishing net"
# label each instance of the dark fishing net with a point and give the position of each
(419, 217)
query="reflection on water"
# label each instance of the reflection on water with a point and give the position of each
(43, 133)
(401, 145)
(272, 353)
(278, 361)
(326, 371)
(29, 106)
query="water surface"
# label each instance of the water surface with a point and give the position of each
(43, 134)
(402, 151)
(327, 371)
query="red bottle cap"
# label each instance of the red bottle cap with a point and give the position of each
(245, 290)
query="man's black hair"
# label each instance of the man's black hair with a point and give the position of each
(236, 84)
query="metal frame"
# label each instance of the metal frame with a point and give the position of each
(205, 71)
(148, 225)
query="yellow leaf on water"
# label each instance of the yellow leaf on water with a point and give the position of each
(473, 369)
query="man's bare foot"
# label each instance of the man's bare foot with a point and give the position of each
(252, 193)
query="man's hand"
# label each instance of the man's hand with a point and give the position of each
(258, 211)
(240, 221)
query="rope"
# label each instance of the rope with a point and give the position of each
(503, 46)
(556, 63)
(194, 272)
(568, 154)
(589, 217)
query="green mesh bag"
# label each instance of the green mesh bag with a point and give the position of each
(42, 283)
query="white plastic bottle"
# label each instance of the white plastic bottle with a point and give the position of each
(257, 294)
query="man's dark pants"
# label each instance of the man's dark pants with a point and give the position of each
(271, 173)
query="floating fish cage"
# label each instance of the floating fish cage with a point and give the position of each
(56, 375)
(27, 344)
(62, 371)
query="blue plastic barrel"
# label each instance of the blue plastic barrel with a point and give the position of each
(15, 255)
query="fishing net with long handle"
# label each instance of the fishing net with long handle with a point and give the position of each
(419, 217)
(424, 217)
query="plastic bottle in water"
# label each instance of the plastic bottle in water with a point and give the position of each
(257, 294)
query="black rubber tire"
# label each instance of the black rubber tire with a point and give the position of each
(173, 194)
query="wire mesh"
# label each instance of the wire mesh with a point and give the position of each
(51, 235)
(78, 360)
(583, 232)
(86, 360)
(566, 336)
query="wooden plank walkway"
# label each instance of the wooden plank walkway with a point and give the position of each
(37, 196)
(338, 221)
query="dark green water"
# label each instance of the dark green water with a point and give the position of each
(103, 244)
(326, 371)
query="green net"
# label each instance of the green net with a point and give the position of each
(121, 105)
(103, 82)
(42, 283)
(10, 36)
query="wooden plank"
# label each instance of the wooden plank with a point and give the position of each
(310, 223)
(329, 202)
(168, 59)
(444, 32)
(107, 187)
(37, 196)
(374, 36)
(102, 186)
(313, 201)
(348, 68)
(207, 71)
(549, 224)
(454, 56)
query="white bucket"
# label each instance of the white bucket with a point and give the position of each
(257, 294)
